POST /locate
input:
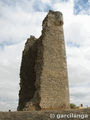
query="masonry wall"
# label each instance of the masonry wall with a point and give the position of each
(44, 79)
(54, 92)
(27, 73)
(44, 115)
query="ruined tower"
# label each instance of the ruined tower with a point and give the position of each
(44, 79)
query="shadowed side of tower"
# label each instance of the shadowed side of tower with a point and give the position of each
(46, 86)
(27, 73)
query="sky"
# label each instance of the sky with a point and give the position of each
(21, 18)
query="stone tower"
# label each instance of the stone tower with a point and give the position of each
(44, 79)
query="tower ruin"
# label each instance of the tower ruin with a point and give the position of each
(43, 73)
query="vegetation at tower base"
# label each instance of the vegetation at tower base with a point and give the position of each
(72, 106)
(43, 73)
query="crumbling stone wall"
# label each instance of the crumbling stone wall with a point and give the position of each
(27, 73)
(44, 79)
(46, 115)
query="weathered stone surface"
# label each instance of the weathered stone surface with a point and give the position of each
(45, 115)
(44, 79)
(27, 73)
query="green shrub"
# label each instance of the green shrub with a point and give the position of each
(72, 106)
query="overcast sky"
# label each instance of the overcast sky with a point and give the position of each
(21, 18)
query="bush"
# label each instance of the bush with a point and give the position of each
(72, 106)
